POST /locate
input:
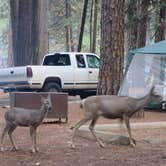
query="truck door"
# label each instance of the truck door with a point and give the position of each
(81, 73)
(93, 63)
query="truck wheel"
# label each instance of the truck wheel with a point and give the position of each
(52, 87)
(82, 96)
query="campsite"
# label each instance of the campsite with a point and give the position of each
(83, 83)
(53, 140)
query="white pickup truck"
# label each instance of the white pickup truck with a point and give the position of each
(64, 71)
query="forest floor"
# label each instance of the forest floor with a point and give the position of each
(53, 141)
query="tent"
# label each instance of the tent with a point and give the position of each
(146, 66)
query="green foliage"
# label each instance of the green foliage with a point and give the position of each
(4, 8)
(56, 19)
(153, 8)
(57, 22)
(131, 12)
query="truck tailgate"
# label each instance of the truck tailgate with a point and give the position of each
(13, 76)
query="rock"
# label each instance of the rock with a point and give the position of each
(106, 137)
(119, 140)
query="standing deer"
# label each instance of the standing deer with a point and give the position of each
(112, 107)
(25, 117)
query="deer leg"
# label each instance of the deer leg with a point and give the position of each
(5, 130)
(33, 138)
(76, 127)
(91, 128)
(127, 122)
(121, 127)
(31, 134)
(10, 131)
(35, 144)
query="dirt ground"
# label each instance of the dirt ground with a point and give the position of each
(54, 145)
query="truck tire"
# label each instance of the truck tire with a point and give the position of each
(82, 96)
(52, 87)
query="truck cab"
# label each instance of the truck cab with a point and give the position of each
(85, 69)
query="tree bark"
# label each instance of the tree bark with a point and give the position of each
(112, 46)
(69, 38)
(160, 32)
(137, 24)
(29, 31)
(142, 10)
(91, 26)
(82, 25)
(10, 60)
(95, 26)
(14, 29)
(42, 30)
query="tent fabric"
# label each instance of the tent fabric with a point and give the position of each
(146, 67)
(156, 48)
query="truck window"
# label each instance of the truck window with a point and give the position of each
(93, 61)
(80, 61)
(57, 60)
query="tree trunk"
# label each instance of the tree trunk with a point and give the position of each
(29, 31)
(112, 46)
(142, 10)
(82, 25)
(14, 29)
(160, 32)
(137, 24)
(69, 38)
(91, 25)
(42, 30)
(95, 26)
(10, 60)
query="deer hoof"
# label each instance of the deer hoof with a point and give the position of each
(35, 150)
(73, 146)
(72, 127)
(101, 144)
(133, 144)
(13, 149)
(2, 149)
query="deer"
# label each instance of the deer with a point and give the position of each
(31, 118)
(111, 107)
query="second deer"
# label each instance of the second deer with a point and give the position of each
(112, 107)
